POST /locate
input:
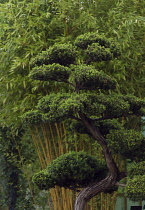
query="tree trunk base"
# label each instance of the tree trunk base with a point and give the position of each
(92, 190)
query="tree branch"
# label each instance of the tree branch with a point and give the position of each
(71, 84)
(120, 184)
(75, 118)
(65, 81)
(74, 189)
(112, 167)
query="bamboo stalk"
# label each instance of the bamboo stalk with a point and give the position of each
(46, 143)
(53, 140)
(59, 140)
(49, 141)
(41, 144)
(42, 162)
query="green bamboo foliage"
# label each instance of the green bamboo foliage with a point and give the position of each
(125, 23)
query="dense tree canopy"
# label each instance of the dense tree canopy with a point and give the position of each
(92, 102)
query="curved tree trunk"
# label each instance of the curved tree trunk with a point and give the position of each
(113, 172)
(92, 190)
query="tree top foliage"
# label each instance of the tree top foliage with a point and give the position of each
(90, 101)
(60, 63)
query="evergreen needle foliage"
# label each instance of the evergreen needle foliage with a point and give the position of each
(71, 170)
(92, 102)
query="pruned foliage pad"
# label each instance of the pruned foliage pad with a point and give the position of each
(64, 54)
(75, 169)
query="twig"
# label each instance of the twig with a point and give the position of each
(120, 184)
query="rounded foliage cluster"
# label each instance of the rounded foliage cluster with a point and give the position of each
(65, 105)
(56, 63)
(32, 117)
(63, 54)
(105, 106)
(136, 169)
(97, 47)
(97, 53)
(86, 77)
(136, 181)
(57, 107)
(86, 39)
(135, 188)
(53, 71)
(50, 102)
(136, 104)
(115, 105)
(60, 105)
(74, 169)
(128, 143)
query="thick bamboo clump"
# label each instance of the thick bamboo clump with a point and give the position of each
(50, 142)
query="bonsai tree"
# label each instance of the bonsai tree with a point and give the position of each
(93, 107)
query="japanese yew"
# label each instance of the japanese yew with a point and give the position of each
(93, 107)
